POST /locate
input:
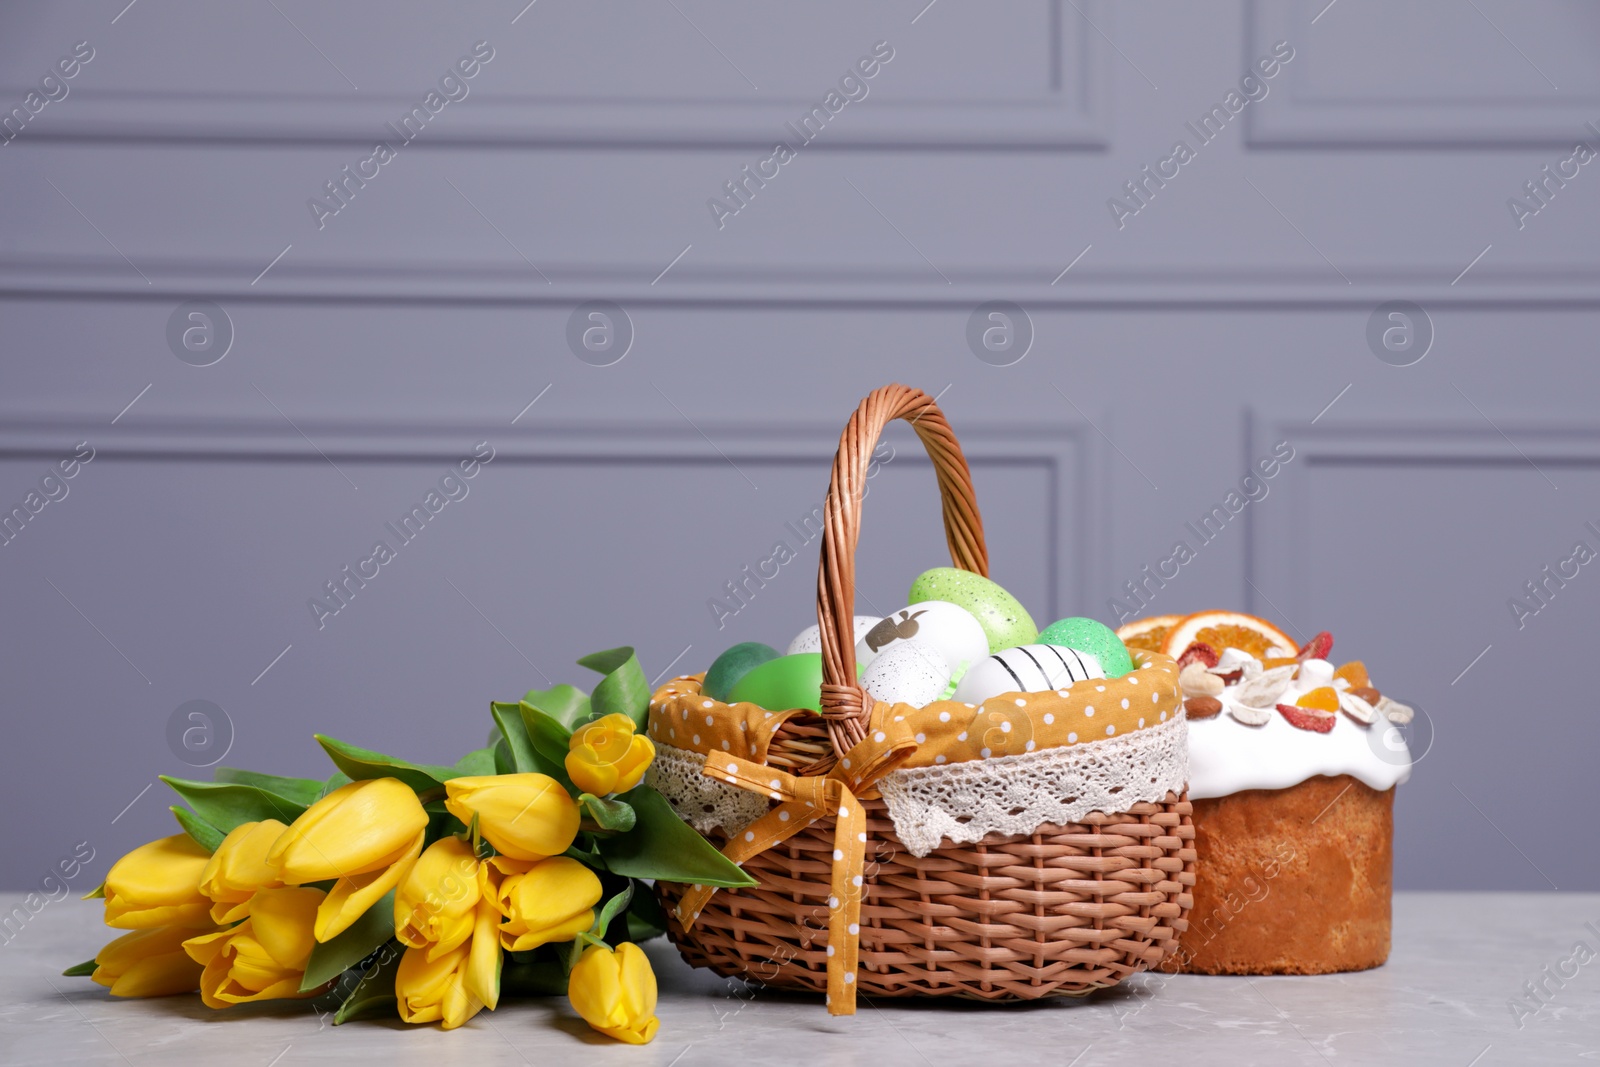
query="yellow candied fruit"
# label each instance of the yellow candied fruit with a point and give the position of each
(1354, 672)
(1277, 661)
(1323, 698)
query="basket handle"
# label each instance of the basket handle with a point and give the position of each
(845, 705)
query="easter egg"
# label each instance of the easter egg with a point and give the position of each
(783, 683)
(1005, 622)
(1089, 635)
(738, 661)
(907, 672)
(810, 639)
(1026, 669)
(950, 630)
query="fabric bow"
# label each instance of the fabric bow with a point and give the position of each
(802, 801)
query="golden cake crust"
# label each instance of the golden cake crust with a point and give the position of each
(1291, 881)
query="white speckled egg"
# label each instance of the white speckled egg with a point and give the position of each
(907, 672)
(954, 631)
(1026, 669)
(810, 639)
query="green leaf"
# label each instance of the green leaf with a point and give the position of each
(204, 834)
(538, 978)
(80, 970)
(226, 805)
(645, 917)
(363, 764)
(611, 909)
(514, 735)
(99, 891)
(329, 959)
(478, 761)
(565, 704)
(550, 741)
(623, 689)
(663, 846)
(607, 814)
(374, 992)
(504, 761)
(302, 791)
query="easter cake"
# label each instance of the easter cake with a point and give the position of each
(1293, 764)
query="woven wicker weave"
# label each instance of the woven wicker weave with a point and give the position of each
(1061, 911)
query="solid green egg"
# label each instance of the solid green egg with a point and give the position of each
(738, 661)
(1006, 623)
(1094, 637)
(783, 683)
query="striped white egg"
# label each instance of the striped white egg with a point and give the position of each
(907, 672)
(810, 639)
(1026, 669)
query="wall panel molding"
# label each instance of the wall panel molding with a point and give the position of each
(1065, 453)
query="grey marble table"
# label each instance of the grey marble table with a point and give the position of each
(1460, 962)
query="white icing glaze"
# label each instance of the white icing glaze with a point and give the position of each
(1226, 756)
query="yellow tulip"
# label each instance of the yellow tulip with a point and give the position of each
(615, 992)
(524, 816)
(436, 905)
(607, 756)
(452, 987)
(239, 867)
(365, 834)
(264, 957)
(553, 901)
(148, 963)
(158, 884)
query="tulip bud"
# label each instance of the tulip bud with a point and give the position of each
(553, 901)
(607, 756)
(365, 834)
(239, 867)
(524, 816)
(436, 904)
(264, 957)
(158, 884)
(615, 992)
(452, 987)
(148, 963)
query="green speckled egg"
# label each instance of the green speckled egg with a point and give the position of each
(1096, 638)
(734, 664)
(1006, 623)
(783, 683)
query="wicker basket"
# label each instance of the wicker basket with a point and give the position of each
(1061, 911)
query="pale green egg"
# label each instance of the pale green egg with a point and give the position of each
(1094, 637)
(1006, 623)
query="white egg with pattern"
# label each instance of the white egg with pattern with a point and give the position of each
(810, 639)
(907, 672)
(953, 630)
(1026, 669)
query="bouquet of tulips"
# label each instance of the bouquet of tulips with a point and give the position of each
(422, 889)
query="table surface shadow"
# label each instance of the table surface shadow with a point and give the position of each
(1474, 979)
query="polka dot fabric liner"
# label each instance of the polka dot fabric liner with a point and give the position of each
(947, 731)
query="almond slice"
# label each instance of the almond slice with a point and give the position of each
(1250, 716)
(1264, 689)
(1356, 708)
(1394, 711)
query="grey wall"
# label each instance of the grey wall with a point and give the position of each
(1226, 315)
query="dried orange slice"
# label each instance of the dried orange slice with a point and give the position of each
(1354, 672)
(1277, 661)
(1229, 629)
(1149, 633)
(1323, 698)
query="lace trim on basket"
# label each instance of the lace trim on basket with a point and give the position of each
(702, 802)
(1016, 794)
